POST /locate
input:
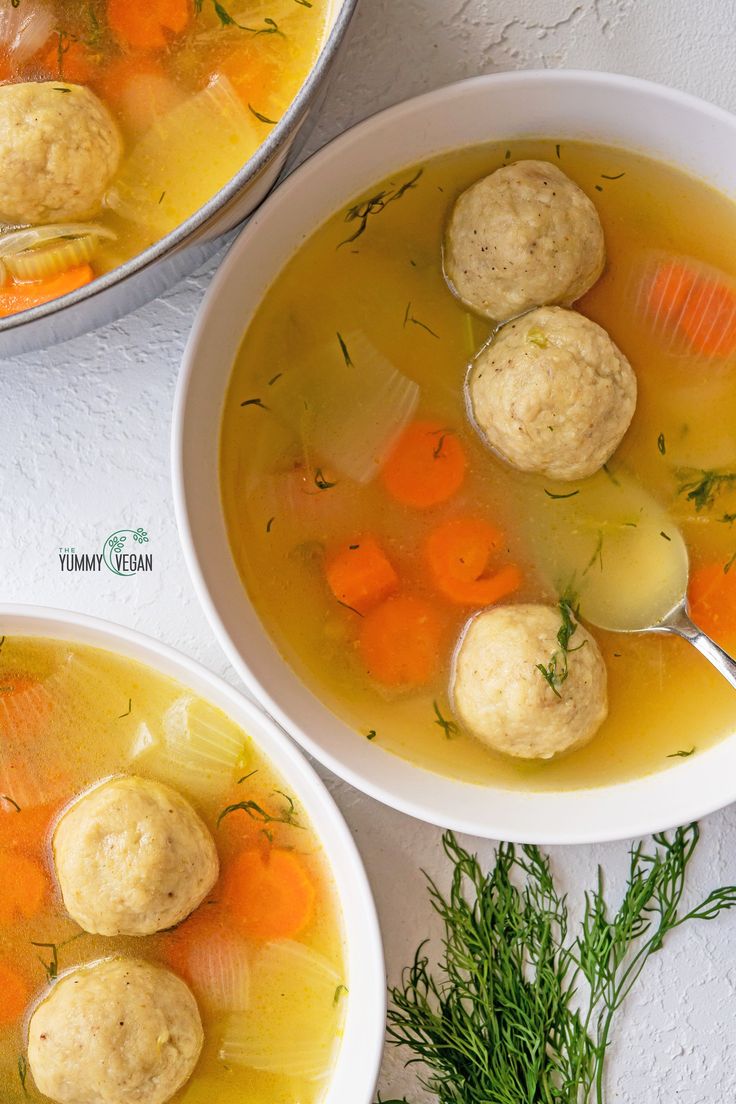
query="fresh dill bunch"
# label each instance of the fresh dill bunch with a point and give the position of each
(520, 1009)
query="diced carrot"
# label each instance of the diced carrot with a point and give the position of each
(712, 594)
(457, 553)
(24, 885)
(70, 59)
(15, 993)
(360, 574)
(425, 467)
(695, 304)
(147, 24)
(19, 297)
(399, 641)
(268, 897)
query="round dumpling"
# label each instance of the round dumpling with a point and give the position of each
(120, 1031)
(59, 149)
(524, 236)
(132, 857)
(552, 393)
(503, 698)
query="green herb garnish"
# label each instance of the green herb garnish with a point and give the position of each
(11, 801)
(371, 734)
(362, 212)
(605, 176)
(557, 670)
(521, 1007)
(258, 813)
(321, 482)
(260, 117)
(450, 728)
(23, 1063)
(551, 494)
(341, 991)
(729, 564)
(701, 486)
(254, 402)
(409, 317)
(344, 351)
(128, 711)
(269, 524)
(682, 754)
(661, 444)
(537, 336)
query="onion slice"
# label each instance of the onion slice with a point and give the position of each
(24, 29)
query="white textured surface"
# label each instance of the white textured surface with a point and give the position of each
(84, 451)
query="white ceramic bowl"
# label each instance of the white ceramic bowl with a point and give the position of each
(635, 114)
(356, 1071)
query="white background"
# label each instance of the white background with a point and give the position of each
(84, 440)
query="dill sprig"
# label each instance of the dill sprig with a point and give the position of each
(361, 212)
(256, 812)
(506, 1017)
(701, 486)
(557, 670)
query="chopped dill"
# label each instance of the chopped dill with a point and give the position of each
(556, 672)
(304, 3)
(23, 1069)
(11, 801)
(597, 556)
(537, 336)
(409, 317)
(2, 642)
(362, 212)
(371, 734)
(269, 524)
(260, 117)
(437, 450)
(52, 966)
(611, 476)
(129, 710)
(682, 754)
(605, 176)
(247, 776)
(161, 198)
(701, 486)
(347, 607)
(661, 444)
(273, 379)
(344, 350)
(663, 534)
(341, 991)
(450, 728)
(728, 519)
(729, 564)
(557, 151)
(322, 483)
(258, 813)
(254, 402)
(551, 494)
(507, 155)
(227, 20)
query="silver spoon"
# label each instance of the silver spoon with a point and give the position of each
(618, 551)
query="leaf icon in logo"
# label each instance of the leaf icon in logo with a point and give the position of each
(117, 543)
(141, 536)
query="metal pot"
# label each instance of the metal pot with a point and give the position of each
(157, 268)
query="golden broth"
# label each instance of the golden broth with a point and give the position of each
(71, 715)
(388, 284)
(184, 136)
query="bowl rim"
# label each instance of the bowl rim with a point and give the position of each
(583, 824)
(267, 153)
(363, 1038)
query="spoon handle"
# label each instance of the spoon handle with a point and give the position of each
(681, 623)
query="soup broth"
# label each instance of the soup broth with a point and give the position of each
(373, 274)
(272, 1002)
(193, 88)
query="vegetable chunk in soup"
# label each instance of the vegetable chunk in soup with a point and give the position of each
(397, 439)
(120, 118)
(157, 876)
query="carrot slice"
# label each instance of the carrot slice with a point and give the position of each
(24, 885)
(25, 829)
(360, 574)
(19, 297)
(70, 60)
(457, 554)
(400, 640)
(269, 897)
(712, 594)
(147, 24)
(15, 993)
(695, 304)
(253, 75)
(426, 466)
